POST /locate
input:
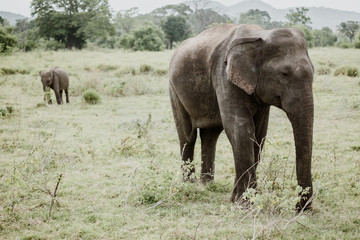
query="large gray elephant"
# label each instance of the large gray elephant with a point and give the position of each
(226, 78)
(58, 80)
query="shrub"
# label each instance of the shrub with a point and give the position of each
(91, 96)
(6, 111)
(349, 71)
(352, 71)
(144, 68)
(323, 70)
(357, 44)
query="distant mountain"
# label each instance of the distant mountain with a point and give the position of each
(11, 17)
(320, 16)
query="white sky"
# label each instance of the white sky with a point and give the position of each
(23, 6)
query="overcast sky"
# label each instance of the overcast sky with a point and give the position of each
(23, 6)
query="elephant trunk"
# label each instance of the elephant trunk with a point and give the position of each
(302, 124)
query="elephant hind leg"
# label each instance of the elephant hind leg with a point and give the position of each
(67, 95)
(209, 137)
(187, 136)
(61, 94)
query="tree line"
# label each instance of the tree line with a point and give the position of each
(82, 23)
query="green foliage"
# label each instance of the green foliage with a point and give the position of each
(176, 29)
(12, 71)
(298, 17)
(148, 38)
(261, 18)
(72, 22)
(324, 37)
(202, 19)
(27, 35)
(91, 96)
(349, 29)
(7, 41)
(125, 20)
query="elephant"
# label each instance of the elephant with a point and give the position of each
(58, 80)
(226, 78)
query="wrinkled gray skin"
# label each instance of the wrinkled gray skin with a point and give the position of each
(58, 80)
(226, 78)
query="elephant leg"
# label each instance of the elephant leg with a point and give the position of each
(187, 136)
(209, 137)
(61, 94)
(241, 131)
(67, 95)
(58, 98)
(261, 120)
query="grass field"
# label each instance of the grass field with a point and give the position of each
(119, 159)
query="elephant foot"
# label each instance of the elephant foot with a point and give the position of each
(206, 178)
(304, 205)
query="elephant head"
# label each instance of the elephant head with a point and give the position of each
(47, 78)
(274, 66)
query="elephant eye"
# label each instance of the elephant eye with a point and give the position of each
(285, 74)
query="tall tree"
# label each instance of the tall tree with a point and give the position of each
(255, 16)
(125, 19)
(349, 29)
(72, 22)
(298, 17)
(175, 29)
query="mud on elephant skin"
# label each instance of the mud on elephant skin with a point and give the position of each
(58, 80)
(226, 78)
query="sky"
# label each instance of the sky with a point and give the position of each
(23, 6)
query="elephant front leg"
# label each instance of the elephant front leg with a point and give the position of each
(241, 136)
(245, 169)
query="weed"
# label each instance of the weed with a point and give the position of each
(91, 96)
(161, 72)
(6, 111)
(323, 70)
(143, 129)
(107, 68)
(349, 71)
(12, 71)
(145, 68)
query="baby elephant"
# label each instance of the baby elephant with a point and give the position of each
(58, 80)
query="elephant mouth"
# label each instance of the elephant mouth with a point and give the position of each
(277, 102)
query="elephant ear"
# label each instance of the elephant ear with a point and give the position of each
(242, 57)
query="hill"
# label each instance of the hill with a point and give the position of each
(320, 16)
(11, 17)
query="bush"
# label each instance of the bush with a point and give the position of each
(6, 111)
(91, 96)
(352, 71)
(144, 68)
(323, 70)
(347, 71)
(357, 45)
(7, 41)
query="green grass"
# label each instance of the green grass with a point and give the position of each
(120, 163)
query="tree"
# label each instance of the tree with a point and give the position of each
(147, 38)
(72, 22)
(349, 29)
(7, 40)
(255, 16)
(172, 10)
(324, 37)
(125, 19)
(298, 17)
(205, 18)
(175, 29)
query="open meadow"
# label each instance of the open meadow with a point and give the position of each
(111, 170)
